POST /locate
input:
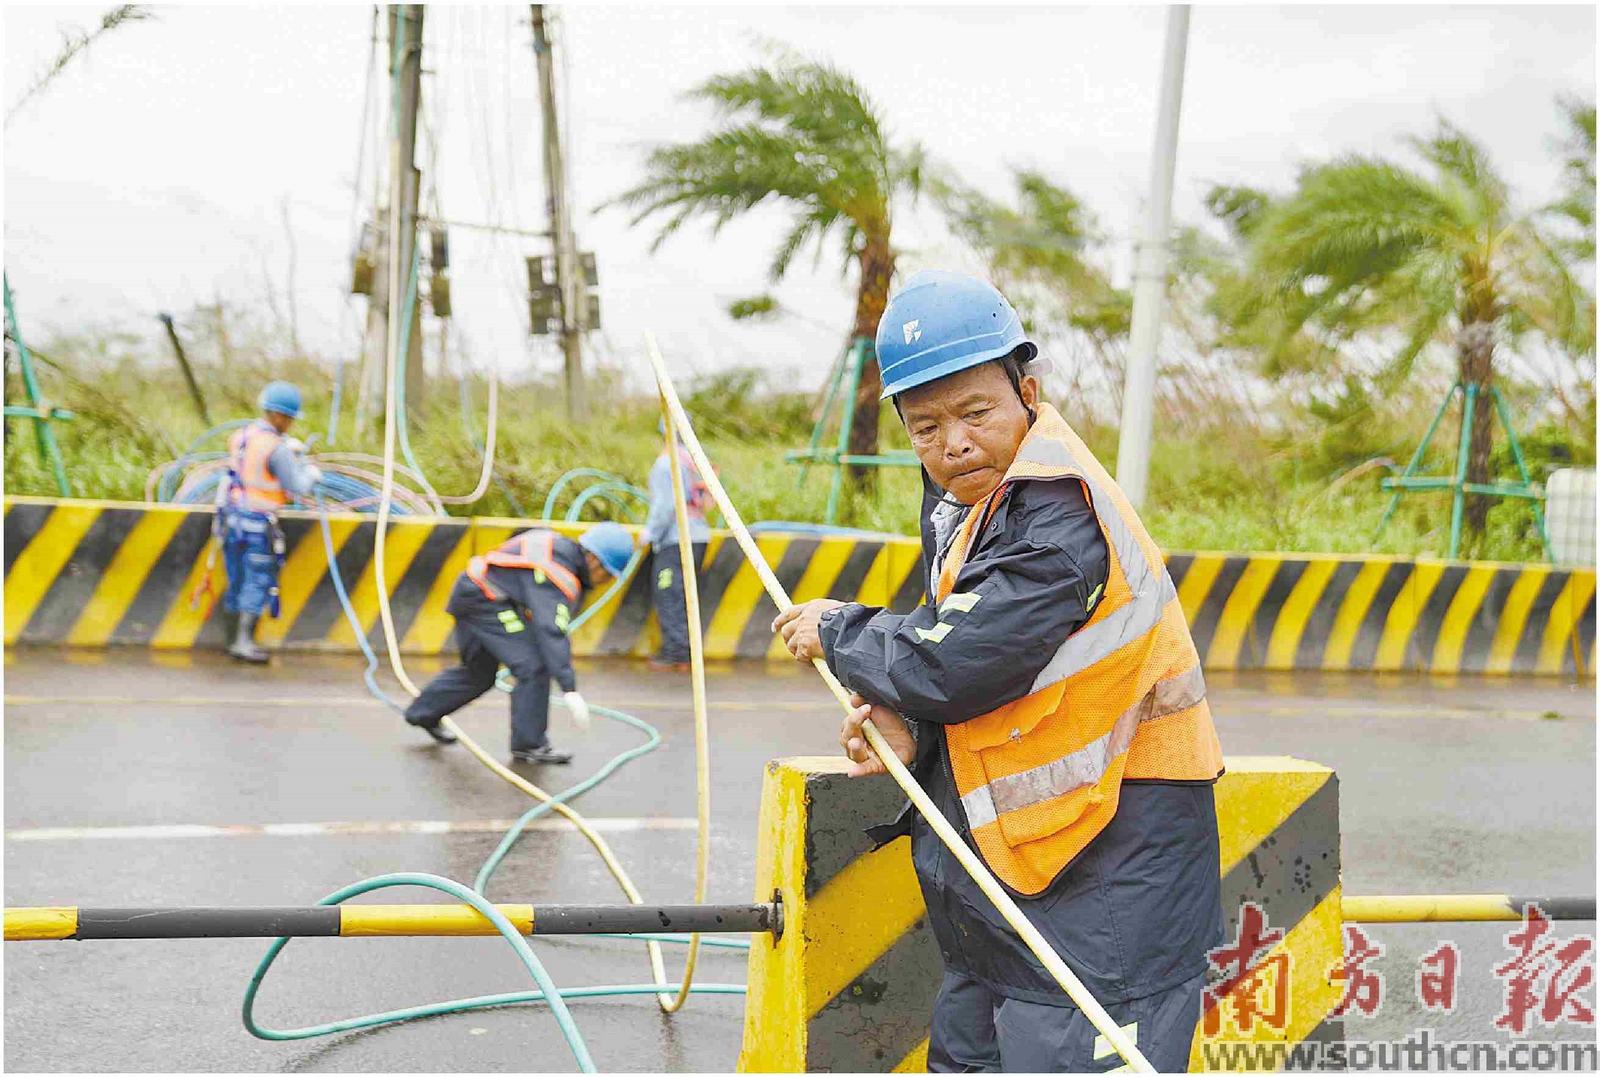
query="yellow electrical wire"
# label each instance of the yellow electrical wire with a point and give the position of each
(392, 641)
(697, 681)
(391, 638)
(969, 860)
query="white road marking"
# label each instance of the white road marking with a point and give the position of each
(612, 825)
(326, 702)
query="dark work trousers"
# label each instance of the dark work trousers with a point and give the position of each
(489, 639)
(671, 614)
(977, 1031)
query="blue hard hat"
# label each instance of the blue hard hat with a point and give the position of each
(281, 397)
(941, 323)
(611, 543)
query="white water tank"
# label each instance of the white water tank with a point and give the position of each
(1569, 514)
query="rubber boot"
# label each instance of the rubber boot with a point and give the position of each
(244, 641)
(229, 622)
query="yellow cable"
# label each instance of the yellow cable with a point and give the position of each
(697, 681)
(392, 642)
(969, 860)
(392, 639)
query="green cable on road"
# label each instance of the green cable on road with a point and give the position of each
(535, 967)
(475, 896)
(547, 992)
(481, 883)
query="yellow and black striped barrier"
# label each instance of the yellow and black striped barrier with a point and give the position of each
(851, 982)
(367, 921)
(92, 573)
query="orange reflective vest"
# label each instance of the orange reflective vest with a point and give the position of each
(254, 486)
(532, 550)
(1122, 697)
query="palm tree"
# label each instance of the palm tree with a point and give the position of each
(1577, 175)
(1044, 250)
(1365, 245)
(1043, 254)
(803, 133)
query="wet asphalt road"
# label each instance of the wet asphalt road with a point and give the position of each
(1447, 786)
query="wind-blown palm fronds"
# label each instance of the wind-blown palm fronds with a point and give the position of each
(1368, 245)
(805, 134)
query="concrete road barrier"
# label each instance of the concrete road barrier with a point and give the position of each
(92, 573)
(851, 983)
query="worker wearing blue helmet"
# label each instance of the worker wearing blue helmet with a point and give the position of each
(512, 607)
(1049, 699)
(266, 468)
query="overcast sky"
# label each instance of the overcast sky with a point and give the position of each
(153, 173)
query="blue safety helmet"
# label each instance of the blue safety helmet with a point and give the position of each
(941, 323)
(611, 543)
(281, 397)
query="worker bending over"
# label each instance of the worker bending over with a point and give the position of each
(512, 606)
(1049, 699)
(265, 467)
(661, 535)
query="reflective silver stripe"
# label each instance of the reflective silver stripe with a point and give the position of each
(1151, 586)
(979, 807)
(1046, 452)
(1086, 765)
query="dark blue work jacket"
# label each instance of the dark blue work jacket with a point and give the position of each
(1135, 912)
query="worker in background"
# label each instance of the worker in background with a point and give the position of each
(661, 535)
(265, 468)
(1049, 699)
(512, 606)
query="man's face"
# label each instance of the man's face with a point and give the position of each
(966, 428)
(278, 421)
(598, 575)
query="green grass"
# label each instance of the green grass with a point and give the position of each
(1217, 488)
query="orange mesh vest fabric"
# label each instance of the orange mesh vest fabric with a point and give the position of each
(1122, 697)
(533, 550)
(249, 450)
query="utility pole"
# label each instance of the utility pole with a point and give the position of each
(397, 237)
(574, 297)
(1150, 271)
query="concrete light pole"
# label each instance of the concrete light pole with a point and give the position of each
(1150, 271)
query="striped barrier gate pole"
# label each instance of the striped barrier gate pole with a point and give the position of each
(366, 921)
